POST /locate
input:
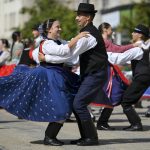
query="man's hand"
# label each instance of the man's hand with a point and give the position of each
(137, 45)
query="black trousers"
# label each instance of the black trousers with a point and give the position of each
(91, 89)
(135, 90)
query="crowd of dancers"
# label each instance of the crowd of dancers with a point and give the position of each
(38, 80)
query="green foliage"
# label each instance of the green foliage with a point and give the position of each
(45, 9)
(139, 14)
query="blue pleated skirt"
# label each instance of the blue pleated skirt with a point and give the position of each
(39, 94)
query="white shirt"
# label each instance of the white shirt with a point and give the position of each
(125, 57)
(55, 53)
(4, 57)
(37, 41)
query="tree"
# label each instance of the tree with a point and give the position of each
(45, 9)
(139, 14)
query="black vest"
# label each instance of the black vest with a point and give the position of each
(25, 59)
(96, 58)
(141, 67)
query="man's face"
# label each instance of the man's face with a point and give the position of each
(35, 33)
(136, 36)
(82, 19)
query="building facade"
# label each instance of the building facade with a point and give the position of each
(10, 15)
(108, 11)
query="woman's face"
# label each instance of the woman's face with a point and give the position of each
(55, 30)
(1, 45)
(35, 33)
(108, 31)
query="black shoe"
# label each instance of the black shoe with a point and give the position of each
(138, 105)
(88, 142)
(133, 118)
(76, 141)
(69, 120)
(20, 118)
(147, 114)
(53, 142)
(94, 119)
(105, 127)
(137, 127)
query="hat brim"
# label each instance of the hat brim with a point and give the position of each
(92, 12)
(140, 32)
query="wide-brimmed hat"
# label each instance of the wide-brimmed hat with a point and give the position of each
(86, 8)
(142, 29)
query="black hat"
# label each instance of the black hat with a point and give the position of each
(35, 27)
(86, 8)
(142, 29)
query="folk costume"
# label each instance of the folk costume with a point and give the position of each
(14, 56)
(140, 82)
(5, 69)
(93, 72)
(43, 93)
(117, 82)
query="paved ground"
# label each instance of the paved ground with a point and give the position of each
(26, 135)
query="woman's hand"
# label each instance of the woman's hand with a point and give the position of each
(41, 57)
(82, 34)
(75, 39)
(18, 52)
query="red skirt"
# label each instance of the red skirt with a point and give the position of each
(114, 87)
(6, 70)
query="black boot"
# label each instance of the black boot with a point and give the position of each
(90, 134)
(147, 114)
(134, 120)
(80, 130)
(51, 133)
(138, 105)
(102, 123)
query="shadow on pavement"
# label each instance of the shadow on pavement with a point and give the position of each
(119, 141)
(103, 142)
(37, 142)
(120, 128)
(12, 121)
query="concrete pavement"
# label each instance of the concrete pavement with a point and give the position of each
(18, 134)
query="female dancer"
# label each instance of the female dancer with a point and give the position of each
(46, 92)
(5, 69)
(106, 30)
(118, 82)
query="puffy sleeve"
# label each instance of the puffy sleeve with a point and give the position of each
(123, 58)
(111, 47)
(51, 48)
(4, 57)
(35, 54)
(83, 44)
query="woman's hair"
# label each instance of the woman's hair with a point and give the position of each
(103, 26)
(14, 36)
(5, 41)
(28, 43)
(46, 26)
